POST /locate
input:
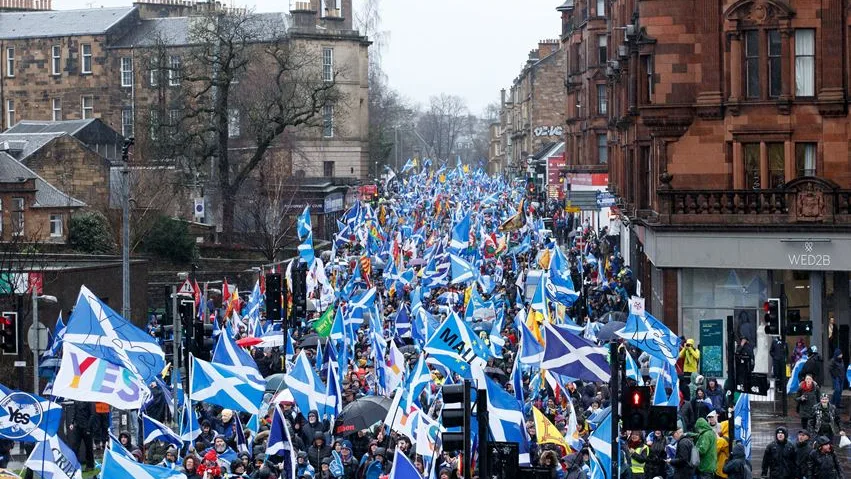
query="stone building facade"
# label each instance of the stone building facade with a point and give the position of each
(727, 137)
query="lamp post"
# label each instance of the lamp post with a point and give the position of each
(125, 229)
(36, 346)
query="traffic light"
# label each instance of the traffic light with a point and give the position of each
(455, 414)
(273, 297)
(299, 276)
(635, 409)
(186, 313)
(772, 315)
(663, 418)
(203, 339)
(9, 333)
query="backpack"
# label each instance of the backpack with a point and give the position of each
(694, 459)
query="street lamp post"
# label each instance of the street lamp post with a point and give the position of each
(36, 347)
(125, 229)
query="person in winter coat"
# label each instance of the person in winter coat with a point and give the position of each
(656, 455)
(378, 467)
(823, 462)
(125, 440)
(779, 459)
(778, 355)
(825, 420)
(814, 366)
(80, 425)
(638, 452)
(573, 467)
(722, 448)
(227, 425)
(691, 357)
(170, 459)
(190, 466)
(686, 412)
(681, 460)
(318, 450)
(209, 468)
(549, 460)
(303, 465)
(803, 448)
(350, 464)
(738, 466)
(837, 375)
(707, 447)
(715, 393)
(701, 405)
(808, 396)
(312, 426)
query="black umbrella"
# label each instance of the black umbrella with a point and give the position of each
(275, 382)
(607, 332)
(613, 316)
(311, 340)
(361, 414)
(496, 373)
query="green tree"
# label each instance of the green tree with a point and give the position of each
(170, 239)
(88, 232)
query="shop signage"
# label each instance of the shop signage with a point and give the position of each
(809, 256)
(605, 199)
(333, 202)
(548, 131)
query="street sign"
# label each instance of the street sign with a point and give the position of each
(37, 335)
(186, 288)
(20, 364)
(605, 199)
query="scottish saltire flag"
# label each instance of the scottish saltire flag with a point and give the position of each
(573, 356)
(52, 459)
(632, 370)
(661, 396)
(153, 430)
(305, 235)
(307, 388)
(462, 271)
(409, 165)
(58, 333)
(461, 234)
(495, 335)
(794, 382)
(601, 441)
(280, 444)
(848, 374)
(418, 380)
(516, 380)
(242, 444)
(190, 429)
(595, 469)
(402, 467)
(651, 336)
(403, 323)
(222, 385)
(114, 465)
(742, 432)
(560, 285)
(505, 417)
(103, 333)
(26, 417)
(338, 330)
(117, 448)
(531, 351)
(457, 347)
(333, 391)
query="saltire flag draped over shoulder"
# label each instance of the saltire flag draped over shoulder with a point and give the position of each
(794, 382)
(222, 385)
(103, 333)
(574, 356)
(457, 347)
(53, 459)
(44, 416)
(114, 465)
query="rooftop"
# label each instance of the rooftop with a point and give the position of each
(61, 23)
(46, 195)
(177, 30)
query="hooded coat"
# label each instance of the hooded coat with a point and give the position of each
(824, 465)
(706, 446)
(738, 466)
(779, 459)
(722, 448)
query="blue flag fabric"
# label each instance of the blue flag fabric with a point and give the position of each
(402, 467)
(531, 351)
(116, 447)
(190, 429)
(306, 387)
(153, 430)
(794, 382)
(574, 356)
(560, 285)
(601, 441)
(651, 336)
(53, 459)
(280, 444)
(742, 432)
(403, 323)
(42, 416)
(457, 347)
(505, 417)
(462, 271)
(305, 235)
(222, 385)
(114, 465)
(103, 333)
(461, 234)
(632, 370)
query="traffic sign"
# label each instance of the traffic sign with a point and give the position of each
(37, 335)
(605, 199)
(186, 288)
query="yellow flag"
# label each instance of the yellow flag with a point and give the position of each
(544, 259)
(533, 322)
(546, 432)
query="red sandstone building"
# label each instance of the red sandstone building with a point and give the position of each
(727, 139)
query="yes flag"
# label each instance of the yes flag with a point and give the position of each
(457, 347)
(53, 459)
(103, 333)
(574, 356)
(27, 417)
(115, 465)
(223, 385)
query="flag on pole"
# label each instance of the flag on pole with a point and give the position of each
(307, 388)
(305, 235)
(153, 430)
(222, 385)
(601, 441)
(632, 370)
(546, 432)
(794, 382)
(574, 356)
(114, 465)
(402, 467)
(280, 444)
(457, 347)
(742, 432)
(53, 459)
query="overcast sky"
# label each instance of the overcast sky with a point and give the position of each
(470, 48)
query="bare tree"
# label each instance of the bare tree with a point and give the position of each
(444, 121)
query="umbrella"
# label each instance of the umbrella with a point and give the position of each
(311, 340)
(248, 342)
(275, 382)
(496, 373)
(607, 332)
(284, 396)
(613, 316)
(7, 474)
(361, 414)
(483, 326)
(409, 349)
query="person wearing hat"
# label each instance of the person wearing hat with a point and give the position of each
(779, 459)
(690, 356)
(347, 457)
(824, 420)
(325, 469)
(814, 365)
(318, 450)
(170, 460)
(738, 466)
(209, 467)
(302, 465)
(837, 375)
(823, 462)
(803, 448)
(378, 467)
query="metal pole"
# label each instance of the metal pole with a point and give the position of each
(36, 346)
(616, 393)
(778, 382)
(731, 378)
(467, 460)
(176, 343)
(125, 230)
(482, 418)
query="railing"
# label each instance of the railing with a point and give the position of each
(725, 202)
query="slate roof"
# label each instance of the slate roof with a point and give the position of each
(70, 127)
(46, 195)
(175, 31)
(61, 23)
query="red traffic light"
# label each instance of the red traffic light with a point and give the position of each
(766, 306)
(636, 398)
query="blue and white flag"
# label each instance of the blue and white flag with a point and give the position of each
(595, 469)
(794, 382)
(114, 465)
(417, 382)
(53, 459)
(574, 356)
(402, 467)
(652, 336)
(333, 392)
(242, 444)
(190, 429)
(462, 271)
(461, 234)
(103, 333)
(632, 370)
(505, 417)
(560, 285)
(228, 353)
(222, 385)
(26, 417)
(281, 444)
(516, 380)
(305, 235)
(308, 390)
(531, 351)
(601, 441)
(58, 333)
(116, 447)
(457, 347)
(153, 430)
(403, 322)
(409, 165)
(742, 432)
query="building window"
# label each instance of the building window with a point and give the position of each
(648, 69)
(86, 50)
(55, 226)
(328, 64)
(601, 8)
(154, 73)
(603, 49)
(752, 63)
(126, 122)
(328, 169)
(233, 123)
(328, 121)
(805, 159)
(776, 165)
(10, 62)
(602, 149)
(805, 62)
(56, 60)
(174, 120)
(602, 100)
(154, 125)
(174, 71)
(126, 71)
(750, 155)
(775, 76)
(87, 103)
(10, 113)
(17, 216)
(56, 107)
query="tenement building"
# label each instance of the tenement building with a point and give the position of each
(728, 147)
